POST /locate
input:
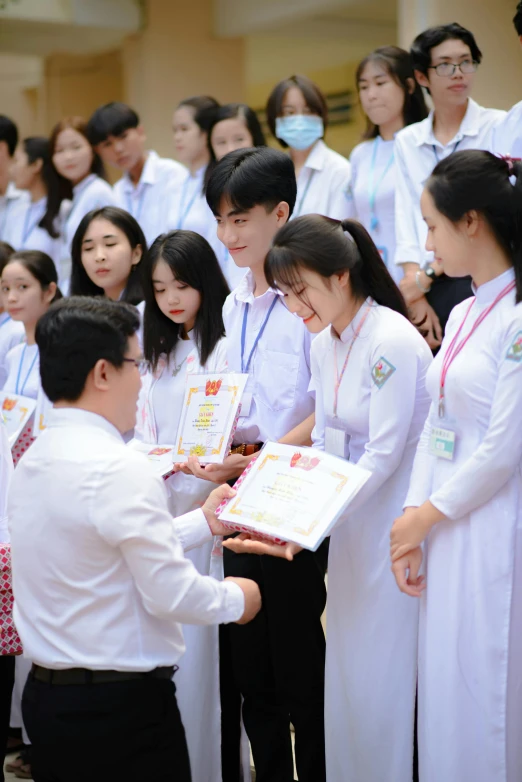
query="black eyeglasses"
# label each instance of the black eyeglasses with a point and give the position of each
(449, 68)
(141, 363)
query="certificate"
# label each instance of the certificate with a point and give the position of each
(160, 456)
(293, 494)
(209, 416)
(16, 411)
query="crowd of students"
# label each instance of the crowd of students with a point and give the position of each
(235, 258)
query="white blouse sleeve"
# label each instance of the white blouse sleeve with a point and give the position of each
(499, 455)
(421, 480)
(338, 202)
(408, 244)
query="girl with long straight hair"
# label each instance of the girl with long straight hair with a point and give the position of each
(465, 496)
(368, 371)
(391, 99)
(184, 334)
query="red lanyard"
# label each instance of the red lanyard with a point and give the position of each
(339, 377)
(454, 349)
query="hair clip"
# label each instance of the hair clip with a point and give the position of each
(509, 160)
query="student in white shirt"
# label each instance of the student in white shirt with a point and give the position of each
(11, 331)
(507, 137)
(76, 160)
(184, 334)
(115, 132)
(465, 496)
(34, 223)
(9, 194)
(100, 581)
(391, 99)
(278, 664)
(368, 372)
(297, 116)
(445, 60)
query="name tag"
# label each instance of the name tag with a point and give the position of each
(246, 404)
(336, 441)
(442, 443)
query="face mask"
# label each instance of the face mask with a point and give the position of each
(299, 131)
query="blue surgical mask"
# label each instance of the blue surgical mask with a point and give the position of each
(299, 131)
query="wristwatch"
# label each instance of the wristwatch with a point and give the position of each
(430, 272)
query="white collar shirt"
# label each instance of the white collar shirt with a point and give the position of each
(323, 184)
(11, 197)
(23, 231)
(279, 369)
(148, 200)
(99, 576)
(12, 333)
(507, 137)
(417, 152)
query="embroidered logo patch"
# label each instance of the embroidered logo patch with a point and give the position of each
(515, 351)
(382, 370)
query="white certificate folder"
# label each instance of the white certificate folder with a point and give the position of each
(293, 494)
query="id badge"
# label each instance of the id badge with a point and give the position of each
(246, 404)
(442, 441)
(336, 438)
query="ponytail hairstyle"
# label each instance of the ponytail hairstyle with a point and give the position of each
(192, 261)
(58, 188)
(475, 180)
(41, 266)
(329, 247)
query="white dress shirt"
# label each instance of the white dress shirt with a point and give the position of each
(23, 371)
(99, 576)
(8, 201)
(6, 472)
(279, 371)
(12, 332)
(23, 231)
(507, 137)
(323, 184)
(147, 201)
(417, 152)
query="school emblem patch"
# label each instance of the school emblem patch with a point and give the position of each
(382, 370)
(515, 351)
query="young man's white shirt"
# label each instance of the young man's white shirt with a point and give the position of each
(417, 152)
(146, 200)
(11, 197)
(507, 137)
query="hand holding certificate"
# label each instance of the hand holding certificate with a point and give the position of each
(293, 494)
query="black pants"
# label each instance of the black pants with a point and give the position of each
(129, 730)
(278, 663)
(446, 293)
(7, 668)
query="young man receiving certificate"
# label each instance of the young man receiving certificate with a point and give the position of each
(100, 581)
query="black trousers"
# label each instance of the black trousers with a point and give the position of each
(278, 663)
(7, 669)
(129, 730)
(446, 293)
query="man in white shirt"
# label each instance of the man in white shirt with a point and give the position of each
(116, 134)
(507, 137)
(9, 195)
(100, 580)
(445, 60)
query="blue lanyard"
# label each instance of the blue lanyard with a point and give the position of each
(140, 203)
(28, 226)
(17, 387)
(372, 187)
(437, 158)
(183, 212)
(259, 335)
(297, 211)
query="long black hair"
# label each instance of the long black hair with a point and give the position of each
(58, 188)
(397, 63)
(81, 284)
(41, 266)
(474, 180)
(320, 244)
(192, 262)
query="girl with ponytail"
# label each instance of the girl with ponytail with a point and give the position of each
(465, 495)
(368, 366)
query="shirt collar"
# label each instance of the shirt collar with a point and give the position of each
(489, 291)
(244, 293)
(12, 192)
(76, 416)
(148, 175)
(470, 126)
(351, 329)
(83, 185)
(317, 156)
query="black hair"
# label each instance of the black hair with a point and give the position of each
(41, 266)
(8, 133)
(112, 119)
(58, 188)
(5, 254)
(397, 63)
(204, 108)
(253, 177)
(475, 180)
(238, 111)
(314, 98)
(192, 262)
(434, 36)
(76, 333)
(320, 244)
(517, 19)
(81, 284)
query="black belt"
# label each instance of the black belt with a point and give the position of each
(86, 676)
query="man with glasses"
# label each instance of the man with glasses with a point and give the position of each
(445, 60)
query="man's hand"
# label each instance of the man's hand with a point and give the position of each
(214, 500)
(252, 598)
(231, 468)
(247, 543)
(424, 317)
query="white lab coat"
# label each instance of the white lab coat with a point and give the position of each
(23, 232)
(323, 184)
(373, 177)
(507, 137)
(371, 646)
(470, 643)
